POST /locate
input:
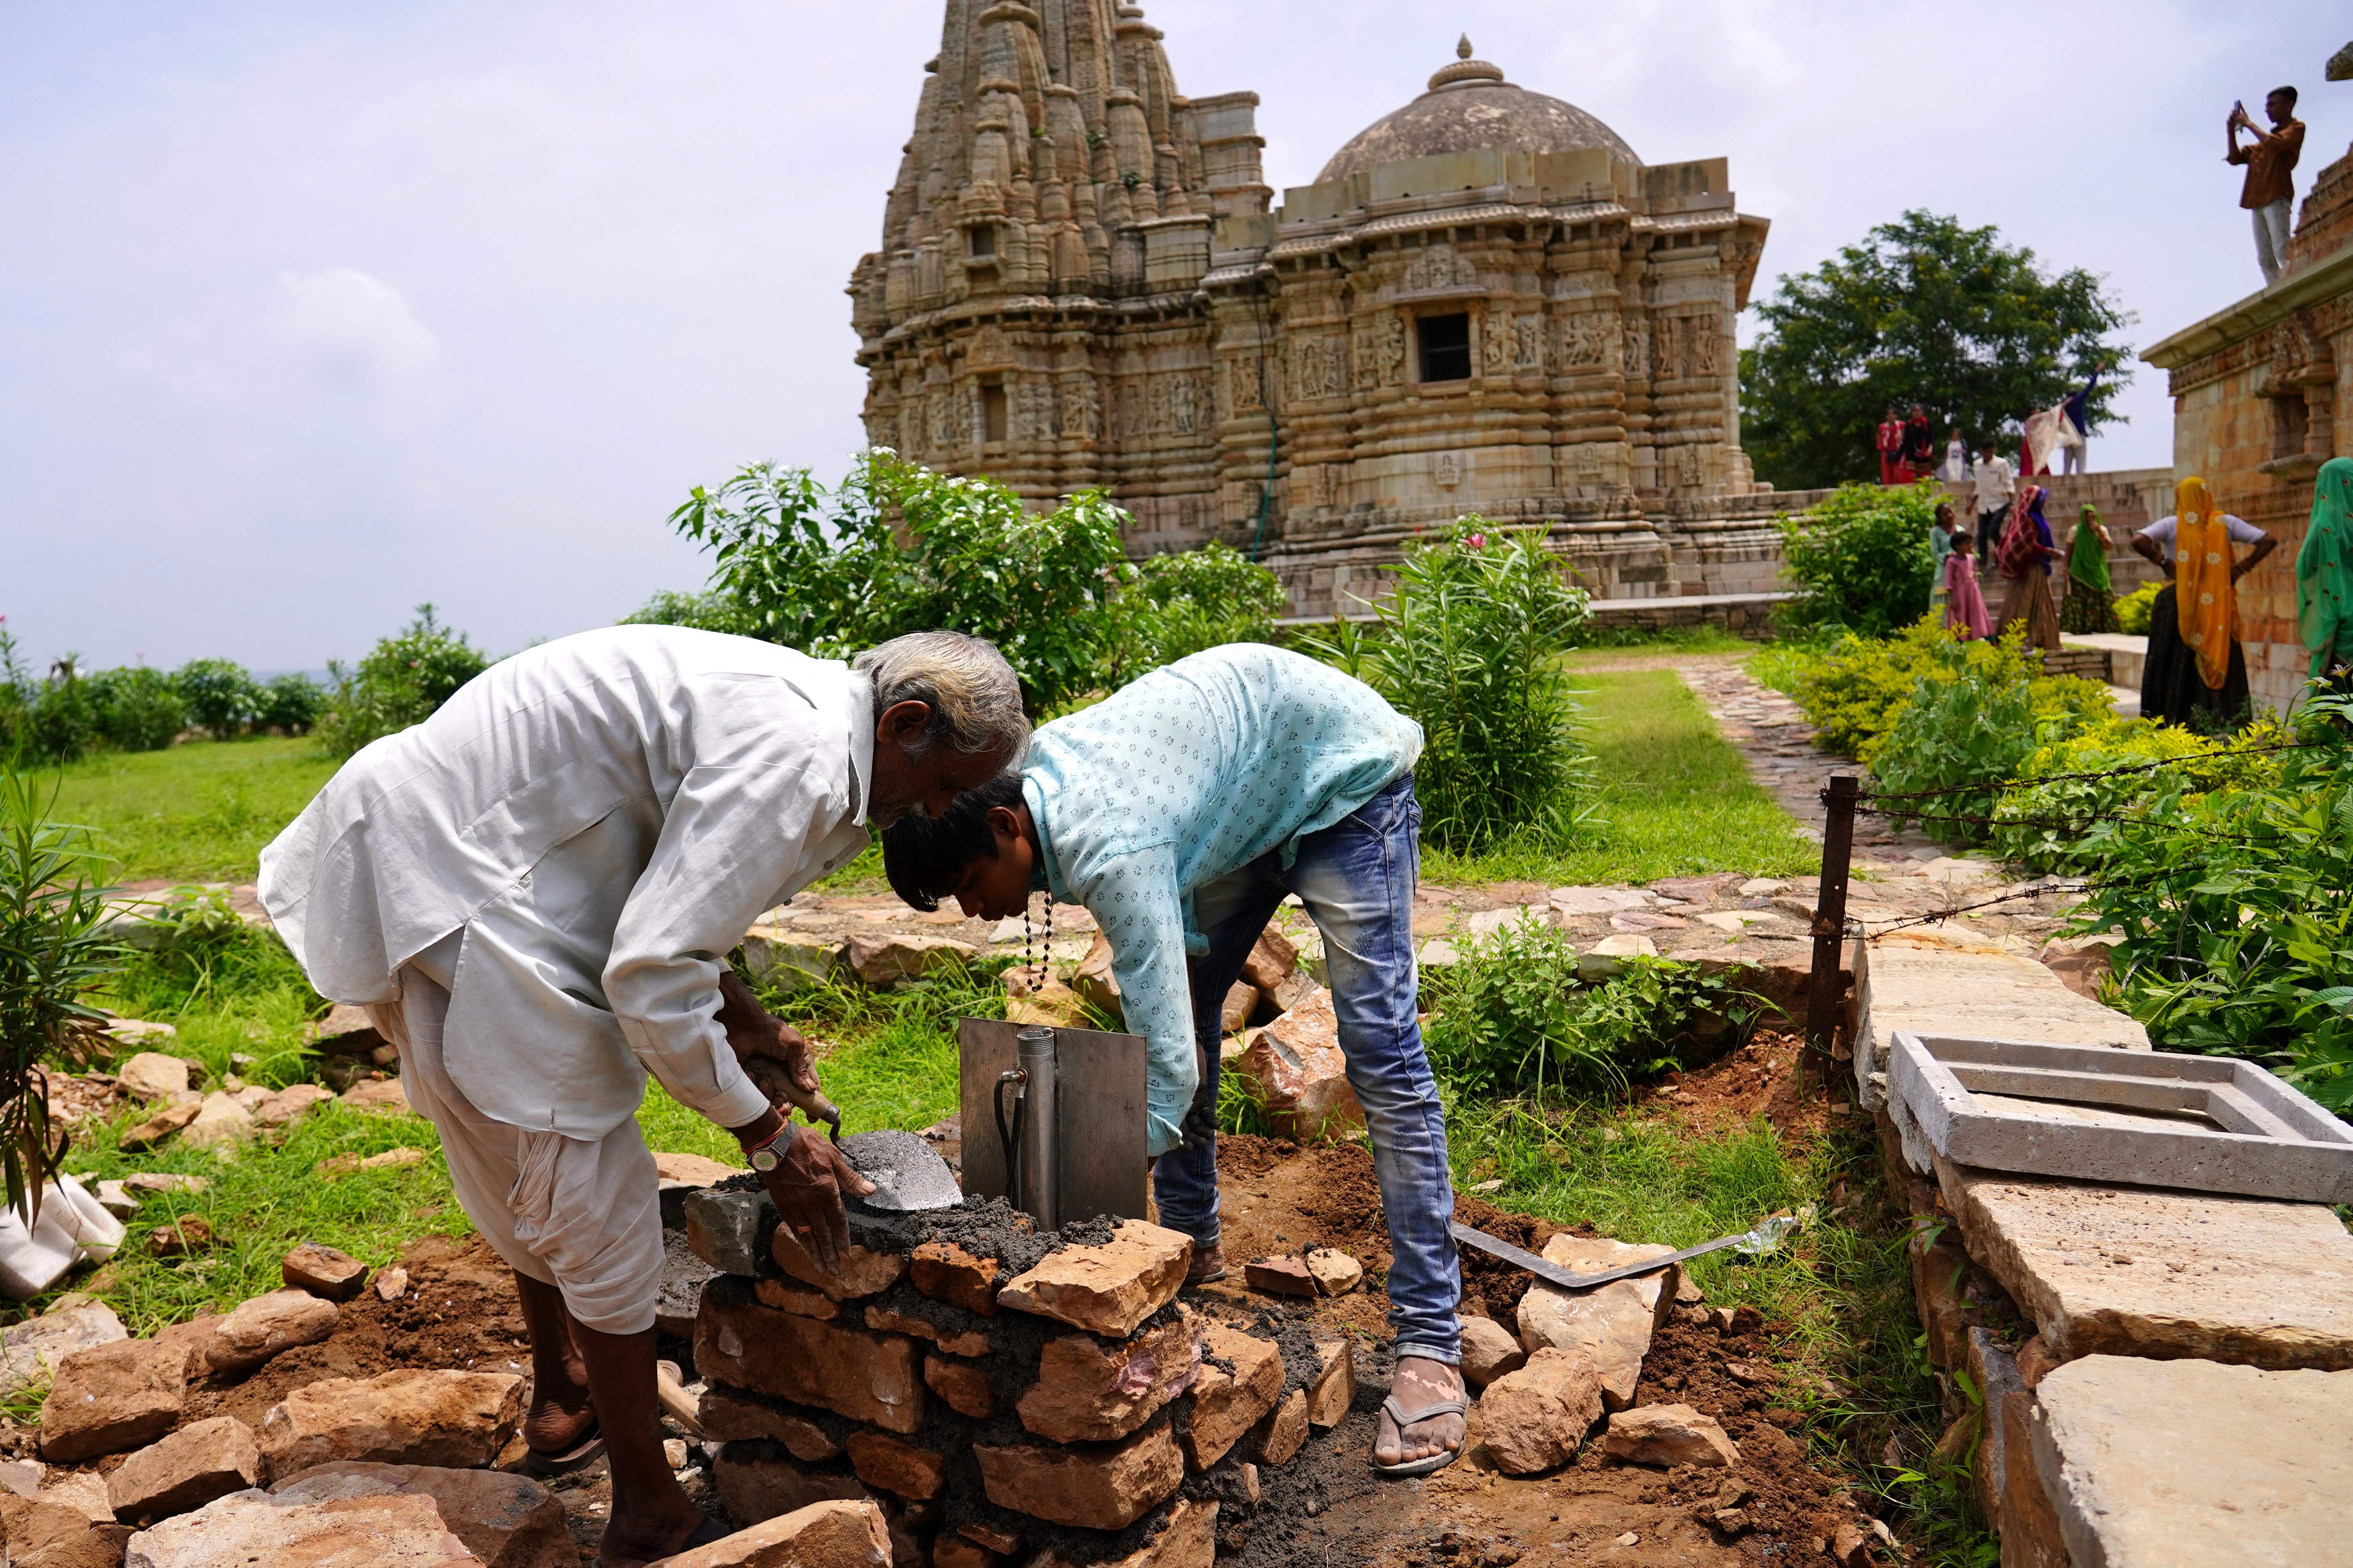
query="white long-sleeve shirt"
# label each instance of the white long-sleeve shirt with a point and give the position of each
(603, 817)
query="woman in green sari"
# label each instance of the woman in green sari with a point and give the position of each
(2091, 603)
(2323, 571)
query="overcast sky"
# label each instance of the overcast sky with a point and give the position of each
(310, 311)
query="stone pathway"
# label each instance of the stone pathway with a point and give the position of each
(1770, 732)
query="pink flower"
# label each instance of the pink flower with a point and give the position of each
(1477, 542)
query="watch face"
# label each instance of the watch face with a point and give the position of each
(764, 1160)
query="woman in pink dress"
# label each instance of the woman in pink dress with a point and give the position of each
(1965, 607)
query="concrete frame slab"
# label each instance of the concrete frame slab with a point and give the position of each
(2240, 1130)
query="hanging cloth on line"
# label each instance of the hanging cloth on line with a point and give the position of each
(2203, 596)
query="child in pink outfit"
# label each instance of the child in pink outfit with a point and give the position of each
(1964, 608)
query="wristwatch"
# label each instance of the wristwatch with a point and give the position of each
(768, 1156)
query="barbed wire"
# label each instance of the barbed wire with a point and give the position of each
(1854, 927)
(2074, 829)
(2105, 774)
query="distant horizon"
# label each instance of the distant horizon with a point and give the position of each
(328, 311)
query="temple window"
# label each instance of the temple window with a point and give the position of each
(984, 240)
(1445, 342)
(992, 411)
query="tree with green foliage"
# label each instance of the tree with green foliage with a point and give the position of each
(1923, 310)
(289, 703)
(1860, 558)
(400, 682)
(138, 708)
(221, 698)
(1184, 601)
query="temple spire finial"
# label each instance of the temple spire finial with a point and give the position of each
(1462, 47)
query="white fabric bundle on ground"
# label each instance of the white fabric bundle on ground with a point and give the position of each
(72, 1227)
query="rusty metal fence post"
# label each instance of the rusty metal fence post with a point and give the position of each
(1830, 916)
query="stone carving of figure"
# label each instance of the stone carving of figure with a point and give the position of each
(1527, 342)
(1364, 360)
(1449, 470)
(1707, 334)
(1392, 348)
(1242, 377)
(1638, 351)
(1184, 404)
(1495, 342)
(1081, 408)
(1438, 266)
(1161, 419)
(1666, 347)
(1581, 341)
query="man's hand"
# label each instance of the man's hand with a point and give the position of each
(752, 1032)
(807, 1186)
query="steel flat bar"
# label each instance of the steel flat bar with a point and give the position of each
(1568, 1280)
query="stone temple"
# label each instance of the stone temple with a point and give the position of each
(1486, 302)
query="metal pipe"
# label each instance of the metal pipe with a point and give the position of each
(1039, 1152)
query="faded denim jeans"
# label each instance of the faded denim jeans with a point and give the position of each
(1357, 880)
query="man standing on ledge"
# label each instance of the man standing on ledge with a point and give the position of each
(533, 893)
(1181, 810)
(2270, 190)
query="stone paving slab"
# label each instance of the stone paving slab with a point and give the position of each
(2186, 1464)
(2114, 1270)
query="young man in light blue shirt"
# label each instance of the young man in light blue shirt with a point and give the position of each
(1180, 811)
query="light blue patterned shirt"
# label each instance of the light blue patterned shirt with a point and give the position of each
(1172, 781)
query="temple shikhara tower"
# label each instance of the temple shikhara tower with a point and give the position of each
(1486, 302)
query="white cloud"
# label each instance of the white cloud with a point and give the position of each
(355, 334)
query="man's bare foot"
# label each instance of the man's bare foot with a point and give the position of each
(1420, 1383)
(635, 1542)
(559, 1418)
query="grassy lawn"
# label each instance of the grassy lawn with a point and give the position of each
(1675, 799)
(197, 813)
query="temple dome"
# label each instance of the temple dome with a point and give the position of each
(1470, 108)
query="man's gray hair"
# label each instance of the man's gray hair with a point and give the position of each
(975, 702)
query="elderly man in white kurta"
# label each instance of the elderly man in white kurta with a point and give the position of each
(533, 893)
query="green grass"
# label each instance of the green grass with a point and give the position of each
(1663, 639)
(1675, 799)
(197, 813)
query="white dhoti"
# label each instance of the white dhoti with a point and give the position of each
(584, 1215)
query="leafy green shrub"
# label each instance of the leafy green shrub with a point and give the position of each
(1860, 557)
(400, 682)
(54, 949)
(1973, 720)
(2236, 910)
(707, 612)
(1467, 646)
(1513, 1014)
(2134, 608)
(221, 696)
(138, 708)
(824, 569)
(2024, 834)
(1184, 601)
(290, 702)
(1853, 691)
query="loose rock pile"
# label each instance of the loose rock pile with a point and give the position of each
(997, 1392)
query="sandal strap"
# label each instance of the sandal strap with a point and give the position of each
(1398, 1413)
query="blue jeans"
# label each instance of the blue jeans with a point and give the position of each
(1357, 880)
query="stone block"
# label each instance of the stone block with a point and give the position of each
(1102, 1489)
(990, 1540)
(682, 1279)
(869, 1377)
(1272, 960)
(953, 1551)
(961, 1386)
(248, 1528)
(892, 1464)
(883, 959)
(2133, 1271)
(789, 960)
(151, 1075)
(1279, 1276)
(1667, 1436)
(1228, 1404)
(1093, 981)
(843, 1534)
(112, 1397)
(260, 1330)
(324, 1272)
(863, 1272)
(797, 1299)
(1334, 1272)
(31, 1350)
(755, 1485)
(1279, 1438)
(1536, 1418)
(2186, 1464)
(410, 1416)
(1489, 1350)
(1242, 998)
(221, 1123)
(946, 1272)
(506, 1521)
(1334, 1388)
(376, 1094)
(956, 1341)
(1109, 1289)
(1296, 1070)
(36, 1533)
(1089, 1391)
(167, 1119)
(187, 1469)
(724, 1229)
(1610, 1325)
(1189, 1540)
(291, 1104)
(1902, 982)
(1032, 1000)
(730, 1415)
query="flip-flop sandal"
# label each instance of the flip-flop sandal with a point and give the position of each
(590, 1448)
(709, 1532)
(1429, 1464)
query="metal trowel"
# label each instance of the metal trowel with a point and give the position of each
(907, 1172)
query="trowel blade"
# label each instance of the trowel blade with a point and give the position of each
(1568, 1280)
(907, 1172)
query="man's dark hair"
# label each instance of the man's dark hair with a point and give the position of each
(2286, 92)
(925, 857)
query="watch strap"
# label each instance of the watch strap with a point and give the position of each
(774, 1147)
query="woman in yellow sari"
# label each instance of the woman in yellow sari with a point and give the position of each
(2195, 674)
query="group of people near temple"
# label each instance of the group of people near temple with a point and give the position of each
(2195, 672)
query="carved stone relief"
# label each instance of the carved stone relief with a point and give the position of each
(1448, 470)
(1392, 348)
(1439, 267)
(1527, 342)
(1081, 408)
(1582, 345)
(1638, 349)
